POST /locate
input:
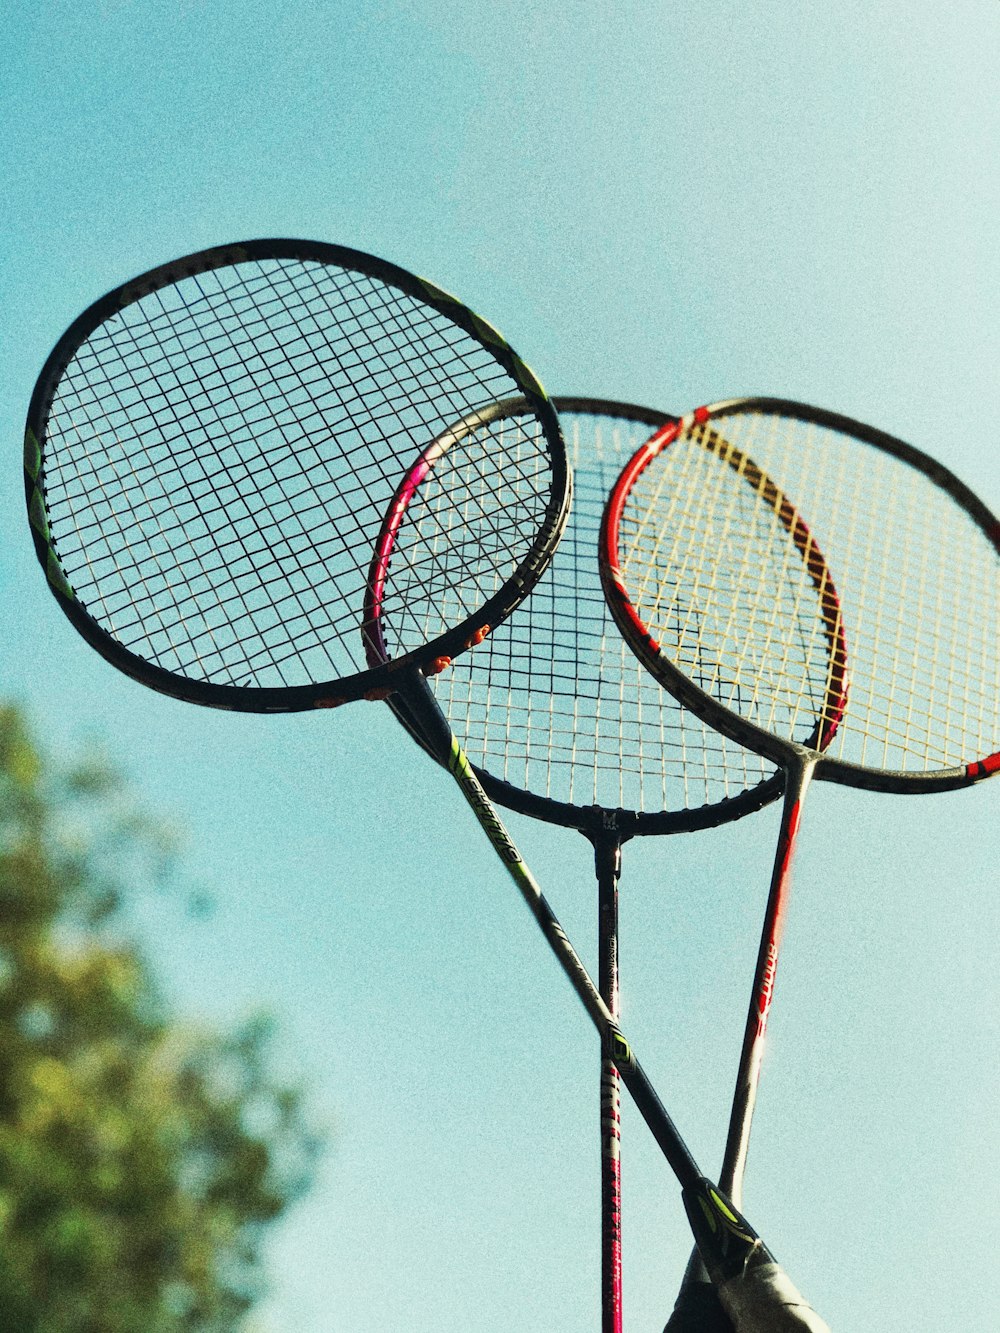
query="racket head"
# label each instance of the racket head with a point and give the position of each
(210, 449)
(867, 640)
(559, 720)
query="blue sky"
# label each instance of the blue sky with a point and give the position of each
(666, 204)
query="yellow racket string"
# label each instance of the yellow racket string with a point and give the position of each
(715, 572)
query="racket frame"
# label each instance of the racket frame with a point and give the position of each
(326, 694)
(778, 750)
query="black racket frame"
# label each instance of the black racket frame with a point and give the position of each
(321, 694)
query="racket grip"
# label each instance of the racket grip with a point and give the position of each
(764, 1300)
(755, 1291)
(698, 1310)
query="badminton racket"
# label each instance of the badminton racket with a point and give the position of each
(736, 1260)
(714, 578)
(560, 722)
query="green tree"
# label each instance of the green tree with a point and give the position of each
(140, 1160)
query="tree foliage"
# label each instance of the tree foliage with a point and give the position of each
(140, 1160)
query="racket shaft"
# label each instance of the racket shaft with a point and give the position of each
(728, 1244)
(613, 1041)
(611, 1199)
(748, 1076)
(424, 709)
(607, 863)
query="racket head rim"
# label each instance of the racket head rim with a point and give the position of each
(937, 472)
(293, 698)
(588, 819)
(778, 750)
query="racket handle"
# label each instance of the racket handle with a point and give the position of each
(698, 1310)
(764, 1300)
(755, 1291)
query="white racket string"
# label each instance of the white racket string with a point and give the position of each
(554, 702)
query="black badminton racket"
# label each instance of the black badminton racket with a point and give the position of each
(735, 1257)
(210, 450)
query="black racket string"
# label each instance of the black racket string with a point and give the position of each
(234, 441)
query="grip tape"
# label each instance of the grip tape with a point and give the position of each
(763, 1299)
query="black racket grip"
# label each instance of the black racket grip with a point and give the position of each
(698, 1310)
(754, 1290)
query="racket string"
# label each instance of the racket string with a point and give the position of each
(554, 702)
(918, 575)
(222, 451)
(708, 527)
